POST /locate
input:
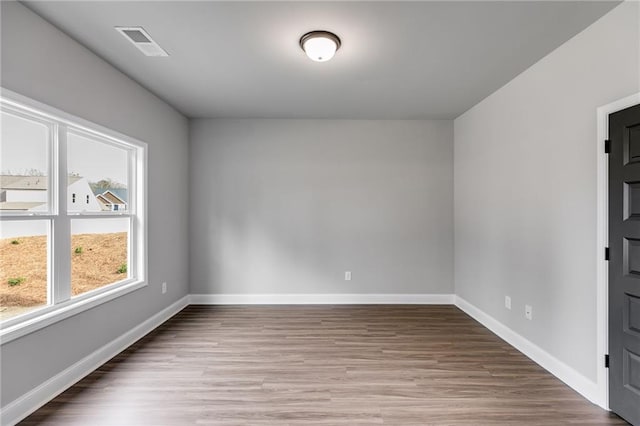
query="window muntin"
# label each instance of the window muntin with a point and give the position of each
(63, 208)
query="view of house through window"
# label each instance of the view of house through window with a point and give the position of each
(24, 163)
(98, 181)
(96, 211)
(98, 175)
(24, 187)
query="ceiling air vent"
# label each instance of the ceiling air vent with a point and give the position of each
(142, 40)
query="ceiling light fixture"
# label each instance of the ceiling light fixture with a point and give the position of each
(320, 46)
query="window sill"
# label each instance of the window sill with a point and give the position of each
(53, 314)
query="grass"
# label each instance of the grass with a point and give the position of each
(15, 281)
(102, 256)
(122, 269)
(78, 250)
(15, 242)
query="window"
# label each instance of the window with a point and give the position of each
(58, 256)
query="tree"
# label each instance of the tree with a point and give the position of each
(104, 184)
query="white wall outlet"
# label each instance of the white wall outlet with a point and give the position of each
(507, 302)
(347, 275)
(164, 288)
(528, 312)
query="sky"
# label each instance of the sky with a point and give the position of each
(96, 160)
(23, 146)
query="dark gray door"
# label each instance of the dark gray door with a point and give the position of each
(624, 264)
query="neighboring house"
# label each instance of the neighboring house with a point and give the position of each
(23, 193)
(80, 196)
(111, 201)
(29, 193)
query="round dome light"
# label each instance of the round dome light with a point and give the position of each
(320, 46)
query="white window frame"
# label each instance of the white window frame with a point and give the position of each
(60, 304)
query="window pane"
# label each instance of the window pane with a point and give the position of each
(99, 253)
(98, 175)
(23, 266)
(24, 183)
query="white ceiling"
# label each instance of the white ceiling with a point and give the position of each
(399, 60)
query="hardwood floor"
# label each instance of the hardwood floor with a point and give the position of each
(321, 365)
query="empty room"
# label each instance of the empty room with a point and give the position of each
(287, 213)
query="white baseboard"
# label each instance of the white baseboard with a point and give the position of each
(321, 299)
(21, 407)
(585, 387)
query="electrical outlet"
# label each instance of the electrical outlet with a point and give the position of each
(164, 288)
(507, 302)
(528, 312)
(347, 275)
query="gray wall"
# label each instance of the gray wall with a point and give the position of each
(525, 189)
(286, 206)
(41, 62)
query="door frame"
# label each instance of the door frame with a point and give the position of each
(602, 223)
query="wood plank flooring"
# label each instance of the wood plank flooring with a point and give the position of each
(321, 365)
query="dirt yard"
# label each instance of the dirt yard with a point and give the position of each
(96, 260)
